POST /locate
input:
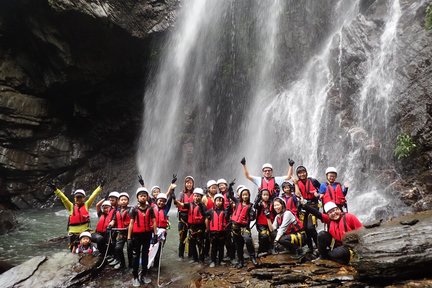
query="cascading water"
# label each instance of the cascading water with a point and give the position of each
(271, 80)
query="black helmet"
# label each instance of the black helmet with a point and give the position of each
(300, 168)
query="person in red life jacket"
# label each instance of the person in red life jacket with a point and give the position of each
(79, 217)
(287, 230)
(263, 207)
(154, 191)
(291, 201)
(307, 188)
(86, 247)
(208, 201)
(216, 224)
(103, 236)
(196, 220)
(122, 218)
(186, 196)
(332, 191)
(242, 216)
(142, 226)
(330, 242)
(227, 190)
(268, 181)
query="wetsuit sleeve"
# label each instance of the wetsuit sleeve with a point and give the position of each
(316, 183)
(92, 197)
(167, 206)
(344, 190)
(288, 218)
(133, 213)
(152, 213)
(66, 202)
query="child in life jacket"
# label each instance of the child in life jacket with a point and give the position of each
(86, 247)
(122, 219)
(332, 191)
(208, 201)
(216, 225)
(291, 202)
(287, 230)
(103, 235)
(227, 190)
(242, 216)
(264, 209)
(142, 227)
(196, 220)
(186, 196)
(330, 242)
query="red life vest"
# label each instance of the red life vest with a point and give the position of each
(226, 200)
(185, 199)
(261, 218)
(122, 218)
(79, 216)
(195, 215)
(307, 190)
(210, 203)
(161, 218)
(333, 195)
(290, 205)
(293, 227)
(337, 229)
(104, 221)
(269, 185)
(143, 221)
(241, 214)
(218, 221)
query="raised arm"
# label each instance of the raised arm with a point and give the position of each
(245, 170)
(290, 169)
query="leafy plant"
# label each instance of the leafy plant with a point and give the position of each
(428, 18)
(404, 146)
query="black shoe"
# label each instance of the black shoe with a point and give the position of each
(253, 259)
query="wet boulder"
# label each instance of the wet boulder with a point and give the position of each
(62, 269)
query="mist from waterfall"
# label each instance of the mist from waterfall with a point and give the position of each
(240, 79)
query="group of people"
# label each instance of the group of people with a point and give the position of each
(217, 222)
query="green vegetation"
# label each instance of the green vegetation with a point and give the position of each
(428, 18)
(404, 146)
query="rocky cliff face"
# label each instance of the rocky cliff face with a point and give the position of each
(71, 86)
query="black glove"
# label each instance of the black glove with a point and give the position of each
(267, 213)
(140, 180)
(174, 179)
(154, 240)
(102, 182)
(129, 244)
(277, 247)
(291, 162)
(243, 161)
(231, 185)
(52, 185)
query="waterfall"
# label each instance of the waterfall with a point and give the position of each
(272, 80)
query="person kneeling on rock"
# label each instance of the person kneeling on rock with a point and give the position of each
(86, 247)
(330, 242)
(287, 229)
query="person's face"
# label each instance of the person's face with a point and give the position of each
(197, 197)
(286, 189)
(267, 172)
(79, 199)
(189, 184)
(155, 192)
(113, 201)
(142, 198)
(245, 196)
(105, 209)
(334, 214)
(265, 196)
(124, 201)
(302, 175)
(212, 189)
(219, 202)
(161, 203)
(277, 206)
(331, 177)
(85, 241)
(222, 187)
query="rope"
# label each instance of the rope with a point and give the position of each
(106, 252)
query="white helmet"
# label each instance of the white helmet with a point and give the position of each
(80, 191)
(211, 183)
(222, 181)
(106, 203)
(244, 188)
(218, 196)
(141, 190)
(124, 194)
(331, 170)
(267, 165)
(189, 177)
(239, 188)
(161, 196)
(329, 206)
(198, 191)
(114, 194)
(154, 187)
(85, 234)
